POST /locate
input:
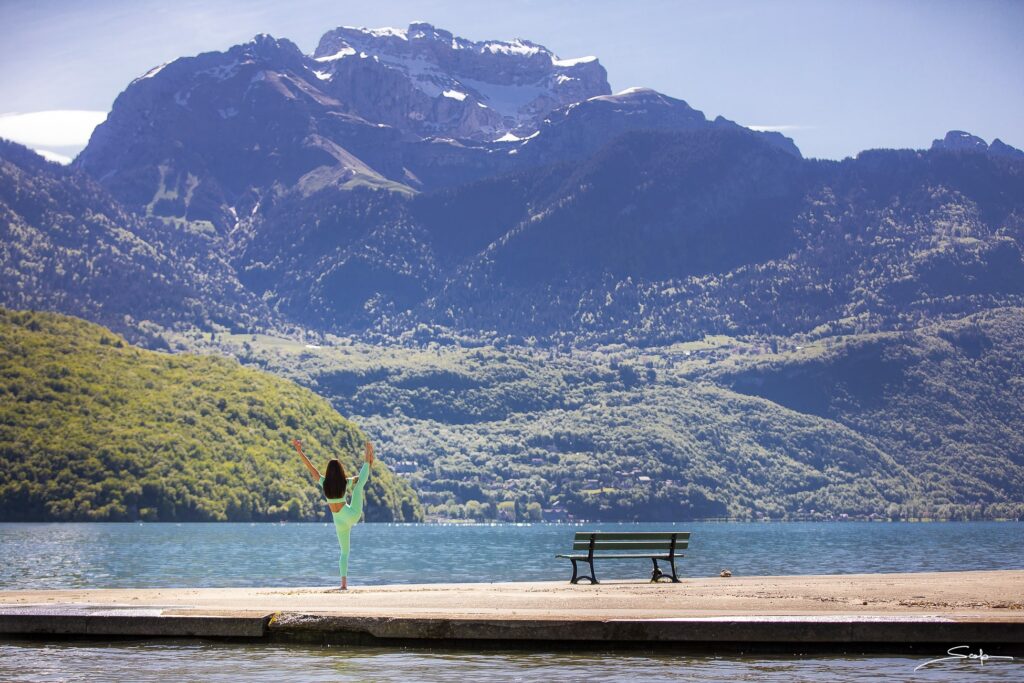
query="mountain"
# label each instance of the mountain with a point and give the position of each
(68, 246)
(200, 139)
(352, 195)
(426, 81)
(658, 236)
(649, 206)
(627, 216)
(534, 289)
(214, 138)
(959, 141)
(580, 129)
(204, 138)
(666, 236)
(92, 429)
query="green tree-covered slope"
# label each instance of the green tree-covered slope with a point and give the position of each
(945, 401)
(922, 424)
(93, 429)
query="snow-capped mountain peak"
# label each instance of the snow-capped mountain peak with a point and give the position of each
(501, 86)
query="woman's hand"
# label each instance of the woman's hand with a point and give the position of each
(368, 455)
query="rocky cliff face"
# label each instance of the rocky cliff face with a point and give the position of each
(959, 141)
(211, 141)
(67, 245)
(201, 140)
(428, 82)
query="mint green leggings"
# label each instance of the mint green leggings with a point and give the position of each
(346, 517)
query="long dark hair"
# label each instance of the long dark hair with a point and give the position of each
(335, 482)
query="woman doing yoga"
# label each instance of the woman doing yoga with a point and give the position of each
(334, 484)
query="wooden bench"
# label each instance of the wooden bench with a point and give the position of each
(657, 545)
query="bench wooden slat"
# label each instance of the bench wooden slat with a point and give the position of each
(624, 535)
(629, 545)
(620, 556)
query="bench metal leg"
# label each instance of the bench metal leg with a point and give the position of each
(675, 579)
(657, 575)
(576, 577)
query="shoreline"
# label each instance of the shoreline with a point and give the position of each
(874, 612)
(551, 522)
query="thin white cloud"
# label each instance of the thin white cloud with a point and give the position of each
(54, 128)
(53, 156)
(781, 128)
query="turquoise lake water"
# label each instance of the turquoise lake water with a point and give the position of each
(168, 555)
(182, 661)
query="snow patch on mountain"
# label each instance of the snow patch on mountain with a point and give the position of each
(512, 137)
(340, 54)
(572, 62)
(511, 101)
(637, 90)
(388, 32)
(514, 47)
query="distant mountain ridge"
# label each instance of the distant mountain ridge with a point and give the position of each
(958, 140)
(251, 144)
(332, 187)
(328, 185)
(209, 138)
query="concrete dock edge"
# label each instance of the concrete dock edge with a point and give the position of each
(59, 625)
(771, 633)
(924, 613)
(760, 633)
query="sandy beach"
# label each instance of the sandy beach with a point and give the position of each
(982, 594)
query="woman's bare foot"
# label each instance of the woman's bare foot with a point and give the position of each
(344, 583)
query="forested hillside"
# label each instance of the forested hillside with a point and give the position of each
(93, 429)
(66, 245)
(947, 401)
(896, 425)
(663, 237)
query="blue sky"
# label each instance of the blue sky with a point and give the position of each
(838, 77)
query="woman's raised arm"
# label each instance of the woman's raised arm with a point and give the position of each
(314, 472)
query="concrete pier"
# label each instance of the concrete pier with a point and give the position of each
(843, 613)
